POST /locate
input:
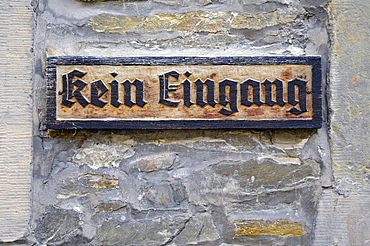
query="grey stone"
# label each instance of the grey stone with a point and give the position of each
(267, 174)
(103, 155)
(290, 136)
(157, 231)
(58, 226)
(257, 7)
(315, 2)
(242, 141)
(199, 229)
(88, 183)
(164, 194)
(179, 192)
(158, 195)
(162, 161)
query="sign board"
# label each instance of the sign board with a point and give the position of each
(183, 92)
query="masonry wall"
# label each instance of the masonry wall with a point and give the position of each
(198, 187)
(177, 187)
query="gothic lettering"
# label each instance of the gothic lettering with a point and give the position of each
(210, 92)
(96, 87)
(255, 85)
(278, 84)
(139, 93)
(231, 98)
(178, 90)
(68, 92)
(187, 88)
(301, 86)
(165, 87)
(114, 94)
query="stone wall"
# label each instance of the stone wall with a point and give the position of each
(177, 187)
(189, 187)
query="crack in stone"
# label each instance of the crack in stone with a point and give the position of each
(170, 240)
(200, 231)
(56, 232)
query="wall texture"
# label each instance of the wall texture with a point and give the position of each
(15, 118)
(186, 187)
(344, 210)
(177, 187)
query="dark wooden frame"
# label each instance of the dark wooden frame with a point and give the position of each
(53, 61)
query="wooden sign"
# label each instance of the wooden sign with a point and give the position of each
(184, 92)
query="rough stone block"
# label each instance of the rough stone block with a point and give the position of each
(199, 229)
(201, 21)
(58, 226)
(279, 227)
(87, 183)
(158, 231)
